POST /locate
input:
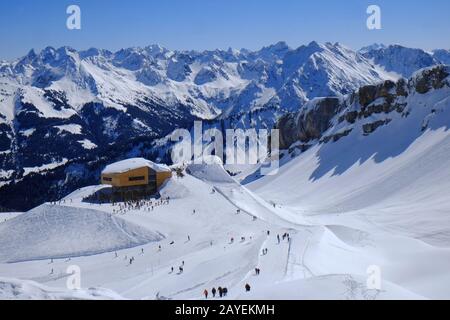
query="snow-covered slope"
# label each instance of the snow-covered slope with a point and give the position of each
(401, 60)
(332, 243)
(51, 231)
(442, 56)
(13, 289)
(330, 287)
(393, 135)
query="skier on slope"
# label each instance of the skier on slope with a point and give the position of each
(205, 294)
(247, 287)
(220, 292)
(213, 291)
(225, 291)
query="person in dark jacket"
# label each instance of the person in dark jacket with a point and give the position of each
(225, 291)
(247, 287)
(213, 291)
(220, 292)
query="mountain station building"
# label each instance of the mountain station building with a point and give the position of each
(135, 178)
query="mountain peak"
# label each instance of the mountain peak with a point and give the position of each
(156, 49)
(372, 47)
(31, 55)
(314, 44)
(401, 60)
(280, 45)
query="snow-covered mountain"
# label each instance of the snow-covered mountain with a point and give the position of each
(442, 56)
(402, 60)
(65, 113)
(372, 47)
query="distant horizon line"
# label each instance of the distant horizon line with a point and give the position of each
(35, 50)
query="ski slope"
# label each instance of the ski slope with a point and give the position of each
(13, 289)
(337, 233)
(52, 231)
(373, 206)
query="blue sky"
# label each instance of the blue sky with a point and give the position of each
(210, 24)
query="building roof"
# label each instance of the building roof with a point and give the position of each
(134, 163)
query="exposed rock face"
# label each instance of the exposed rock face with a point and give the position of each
(433, 78)
(309, 124)
(288, 130)
(368, 128)
(369, 94)
(371, 107)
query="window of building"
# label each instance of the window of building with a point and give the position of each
(107, 179)
(141, 178)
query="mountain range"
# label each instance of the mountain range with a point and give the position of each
(66, 113)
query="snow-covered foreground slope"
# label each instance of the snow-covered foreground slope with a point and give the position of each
(326, 258)
(13, 289)
(330, 287)
(51, 231)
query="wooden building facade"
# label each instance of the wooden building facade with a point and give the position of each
(135, 179)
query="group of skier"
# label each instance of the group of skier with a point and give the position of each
(60, 202)
(220, 292)
(180, 269)
(144, 205)
(285, 236)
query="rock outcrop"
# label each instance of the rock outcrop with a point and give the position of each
(327, 120)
